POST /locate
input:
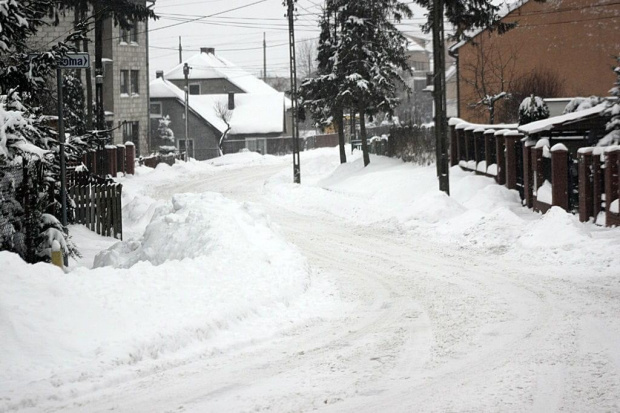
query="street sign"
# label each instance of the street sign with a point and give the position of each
(75, 61)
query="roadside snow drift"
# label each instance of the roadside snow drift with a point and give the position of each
(479, 214)
(204, 264)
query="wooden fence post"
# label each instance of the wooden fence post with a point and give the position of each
(470, 145)
(120, 158)
(454, 146)
(460, 143)
(110, 160)
(479, 155)
(130, 158)
(585, 184)
(537, 176)
(559, 171)
(500, 156)
(490, 155)
(511, 138)
(528, 177)
(612, 156)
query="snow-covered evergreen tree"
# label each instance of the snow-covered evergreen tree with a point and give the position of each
(73, 99)
(166, 136)
(466, 15)
(25, 138)
(371, 54)
(613, 126)
(532, 108)
(319, 94)
(26, 142)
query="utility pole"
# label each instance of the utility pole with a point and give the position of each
(264, 58)
(99, 66)
(439, 95)
(186, 69)
(180, 51)
(293, 64)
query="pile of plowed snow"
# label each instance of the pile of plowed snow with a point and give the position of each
(204, 266)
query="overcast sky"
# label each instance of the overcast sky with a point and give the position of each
(236, 34)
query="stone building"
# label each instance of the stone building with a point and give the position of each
(575, 41)
(126, 68)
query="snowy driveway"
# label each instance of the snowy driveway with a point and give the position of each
(411, 324)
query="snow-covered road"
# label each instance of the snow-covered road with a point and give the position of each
(421, 327)
(403, 322)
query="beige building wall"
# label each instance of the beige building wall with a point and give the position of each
(577, 39)
(117, 56)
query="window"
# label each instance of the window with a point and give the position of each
(194, 89)
(155, 109)
(129, 35)
(125, 82)
(190, 150)
(133, 33)
(135, 82)
(124, 35)
(131, 132)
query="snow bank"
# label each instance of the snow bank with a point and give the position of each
(214, 265)
(479, 214)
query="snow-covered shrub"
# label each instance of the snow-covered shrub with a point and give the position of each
(578, 104)
(532, 108)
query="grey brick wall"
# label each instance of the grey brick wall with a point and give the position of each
(123, 57)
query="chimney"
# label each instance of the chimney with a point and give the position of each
(231, 101)
(159, 73)
(207, 50)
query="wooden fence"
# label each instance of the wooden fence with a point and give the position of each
(547, 171)
(98, 206)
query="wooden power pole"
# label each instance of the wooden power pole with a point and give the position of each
(439, 95)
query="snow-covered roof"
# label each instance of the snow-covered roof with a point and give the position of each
(253, 113)
(209, 66)
(548, 124)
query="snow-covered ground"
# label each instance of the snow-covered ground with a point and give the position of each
(362, 289)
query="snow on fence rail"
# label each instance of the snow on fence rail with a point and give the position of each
(570, 173)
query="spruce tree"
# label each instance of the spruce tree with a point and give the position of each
(320, 94)
(371, 51)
